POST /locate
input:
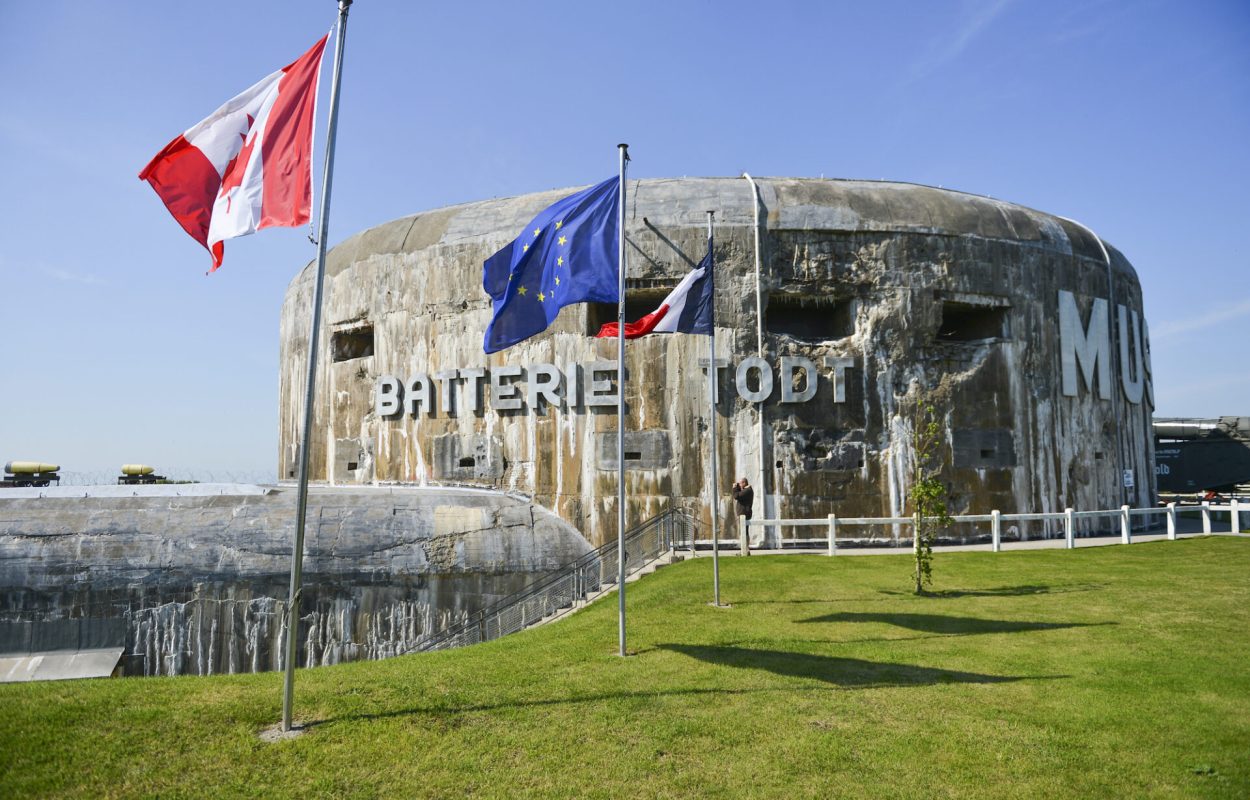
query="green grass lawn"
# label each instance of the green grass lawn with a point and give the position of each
(1099, 672)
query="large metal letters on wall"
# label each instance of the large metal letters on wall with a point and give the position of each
(589, 384)
(1088, 347)
(1085, 352)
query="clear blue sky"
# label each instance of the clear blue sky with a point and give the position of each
(1132, 117)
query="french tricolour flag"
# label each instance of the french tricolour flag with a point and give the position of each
(687, 309)
(249, 165)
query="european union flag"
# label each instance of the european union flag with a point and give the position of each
(568, 254)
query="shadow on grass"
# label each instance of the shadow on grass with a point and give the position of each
(848, 673)
(473, 708)
(941, 623)
(1001, 591)
(811, 601)
(840, 673)
(880, 680)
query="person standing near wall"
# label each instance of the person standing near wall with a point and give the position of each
(744, 498)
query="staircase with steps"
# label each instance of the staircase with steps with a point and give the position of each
(661, 561)
(648, 547)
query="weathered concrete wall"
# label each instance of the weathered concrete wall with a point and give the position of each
(888, 268)
(198, 584)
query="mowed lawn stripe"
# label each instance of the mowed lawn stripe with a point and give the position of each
(1115, 671)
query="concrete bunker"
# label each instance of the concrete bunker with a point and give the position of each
(1023, 327)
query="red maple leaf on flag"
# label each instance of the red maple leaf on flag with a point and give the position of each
(232, 178)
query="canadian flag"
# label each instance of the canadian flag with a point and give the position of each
(249, 165)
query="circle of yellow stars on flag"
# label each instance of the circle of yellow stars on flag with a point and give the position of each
(561, 242)
(561, 261)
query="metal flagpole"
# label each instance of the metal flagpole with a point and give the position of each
(711, 397)
(301, 505)
(620, 400)
(759, 351)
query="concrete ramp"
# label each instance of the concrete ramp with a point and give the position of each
(60, 665)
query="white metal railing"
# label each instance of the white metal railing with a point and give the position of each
(572, 584)
(1068, 517)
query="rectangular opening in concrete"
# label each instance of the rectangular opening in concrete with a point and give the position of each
(984, 448)
(643, 450)
(352, 466)
(292, 465)
(810, 318)
(639, 301)
(963, 322)
(468, 458)
(349, 344)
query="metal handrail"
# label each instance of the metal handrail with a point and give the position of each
(571, 584)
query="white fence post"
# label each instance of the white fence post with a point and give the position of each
(1234, 514)
(1206, 517)
(1172, 521)
(744, 536)
(1126, 536)
(996, 531)
(1069, 528)
(833, 534)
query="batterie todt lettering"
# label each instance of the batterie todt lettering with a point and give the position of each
(587, 385)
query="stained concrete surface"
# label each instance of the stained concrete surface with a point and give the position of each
(198, 584)
(929, 294)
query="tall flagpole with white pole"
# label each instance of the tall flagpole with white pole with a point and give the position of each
(301, 504)
(620, 399)
(711, 395)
